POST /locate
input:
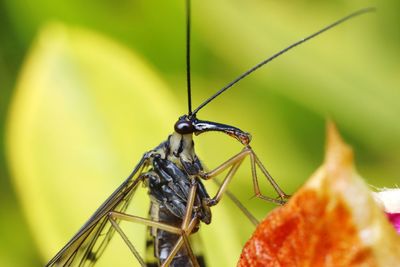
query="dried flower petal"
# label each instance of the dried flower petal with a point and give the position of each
(331, 221)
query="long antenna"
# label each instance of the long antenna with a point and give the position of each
(189, 91)
(283, 51)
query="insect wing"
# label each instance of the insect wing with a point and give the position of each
(90, 241)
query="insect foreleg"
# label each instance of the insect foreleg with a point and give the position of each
(224, 185)
(255, 161)
(234, 164)
(238, 157)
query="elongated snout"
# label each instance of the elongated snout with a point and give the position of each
(188, 125)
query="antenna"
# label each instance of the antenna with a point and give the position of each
(283, 51)
(189, 91)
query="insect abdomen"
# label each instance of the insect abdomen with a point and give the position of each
(164, 241)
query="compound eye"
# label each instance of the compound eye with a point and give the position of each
(184, 127)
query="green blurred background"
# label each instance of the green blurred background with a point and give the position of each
(101, 82)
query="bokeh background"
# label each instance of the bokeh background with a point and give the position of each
(87, 86)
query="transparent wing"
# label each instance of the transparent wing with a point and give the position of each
(89, 242)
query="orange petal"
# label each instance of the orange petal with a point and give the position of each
(332, 220)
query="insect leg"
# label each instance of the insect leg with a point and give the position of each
(187, 226)
(238, 157)
(185, 222)
(234, 163)
(189, 206)
(255, 161)
(239, 205)
(136, 219)
(186, 229)
(193, 223)
(113, 216)
(224, 184)
(127, 242)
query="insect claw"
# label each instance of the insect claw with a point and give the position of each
(283, 198)
(280, 200)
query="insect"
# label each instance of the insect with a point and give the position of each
(173, 174)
